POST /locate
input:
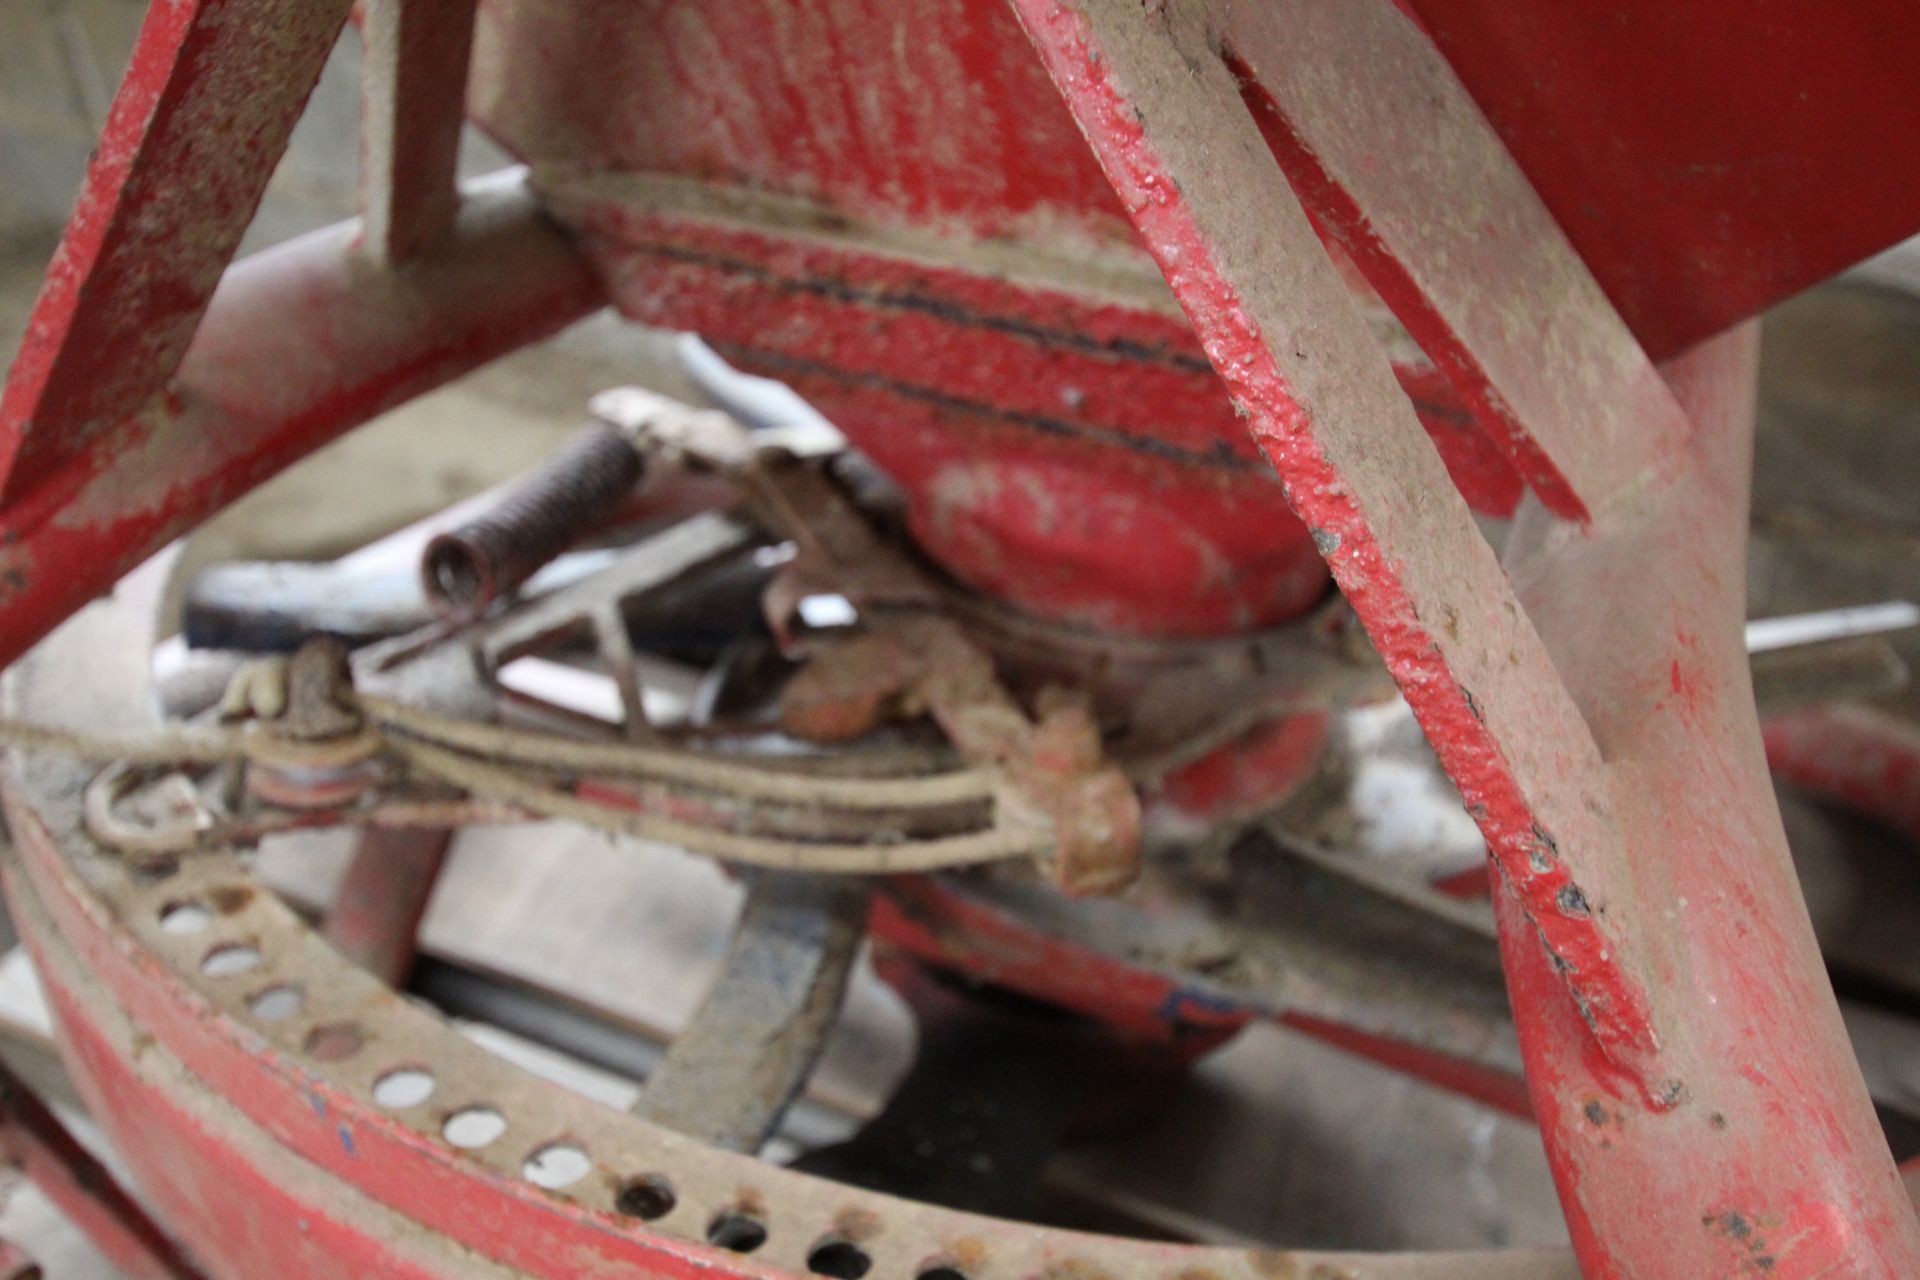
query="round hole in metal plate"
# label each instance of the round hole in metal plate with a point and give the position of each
(403, 1087)
(839, 1260)
(182, 918)
(471, 1128)
(276, 1004)
(649, 1198)
(230, 959)
(740, 1232)
(556, 1165)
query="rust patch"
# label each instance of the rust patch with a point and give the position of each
(856, 1224)
(230, 899)
(968, 1253)
(910, 660)
(847, 689)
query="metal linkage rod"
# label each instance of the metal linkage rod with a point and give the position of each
(732, 1073)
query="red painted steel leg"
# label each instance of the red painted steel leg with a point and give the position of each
(1768, 1157)
(200, 120)
(1700, 1103)
(375, 918)
(1274, 315)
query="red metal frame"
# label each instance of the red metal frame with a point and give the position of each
(1664, 1075)
(1706, 160)
(939, 262)
(146, 245)
(927, 920)
(1861, 757)
(236, 1134)
(1402, 545)
(255, 392)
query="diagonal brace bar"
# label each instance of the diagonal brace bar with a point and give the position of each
(201, 119)
(1397, 164)
(1165, 117)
